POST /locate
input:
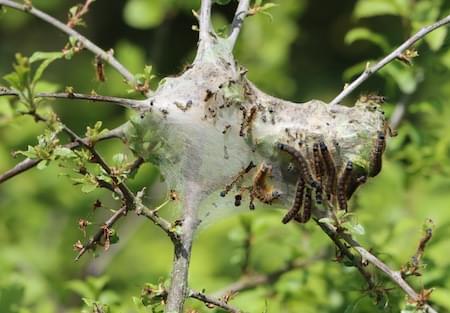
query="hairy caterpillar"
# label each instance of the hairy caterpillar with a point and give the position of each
(342, 185)
(260, 189)
(330, 169)
(298, 202)
(305, 214)
(304, 168)
(376, 161)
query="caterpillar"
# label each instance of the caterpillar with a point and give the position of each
(342, 185)
(376, 161)
(247, 121)
(318, 164)
(319, 170)
(260, 190)
(330, 169)
(304, 168)
(298, 202)
(354, 184)
(304, 216)
(99, 69)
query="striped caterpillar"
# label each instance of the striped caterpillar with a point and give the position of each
(376, 161)
(298, 202)
(344, 180)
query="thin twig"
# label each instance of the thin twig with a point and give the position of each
(127, 103)
(238, 20)
(77, 18)
(100, 233)
(389, 58)
(107, 57)
(211, 300)
(399, 111)
(395, 276)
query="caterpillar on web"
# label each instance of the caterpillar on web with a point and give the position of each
(303, 164)
(298, 202)
(344, 180)
(330, 169)
(376, 161)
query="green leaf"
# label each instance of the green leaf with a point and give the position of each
(143, 14)
(403, 76)
(13, 80)
(222, 2)
(42, 165)
(43, 66)
(436, 39)
(98, 283)
(11, 296)
(87, 188)
(81, 288)
(42, 56)
(326, 220)
(119, 159)
(361, 33)
(64, 152)
(370, 8)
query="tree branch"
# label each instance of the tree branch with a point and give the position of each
(105, 56)
(205, 20)
(389, 58)
(238, 20)
(395, 276)
(28, 163)
(127, 103)
(178, 290)
(345, 251)
(208, 300)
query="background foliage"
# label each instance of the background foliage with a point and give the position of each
(306, 49)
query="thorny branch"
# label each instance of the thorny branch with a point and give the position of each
(105, 56)
(238, 20)
(389, 58)
(127, 103)
(395, 276)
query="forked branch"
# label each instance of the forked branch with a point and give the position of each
(389, 58)
(89, 45)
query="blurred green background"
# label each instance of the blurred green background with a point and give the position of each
(306, 49)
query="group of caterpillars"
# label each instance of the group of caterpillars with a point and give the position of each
(323, 179)
(338, 187)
